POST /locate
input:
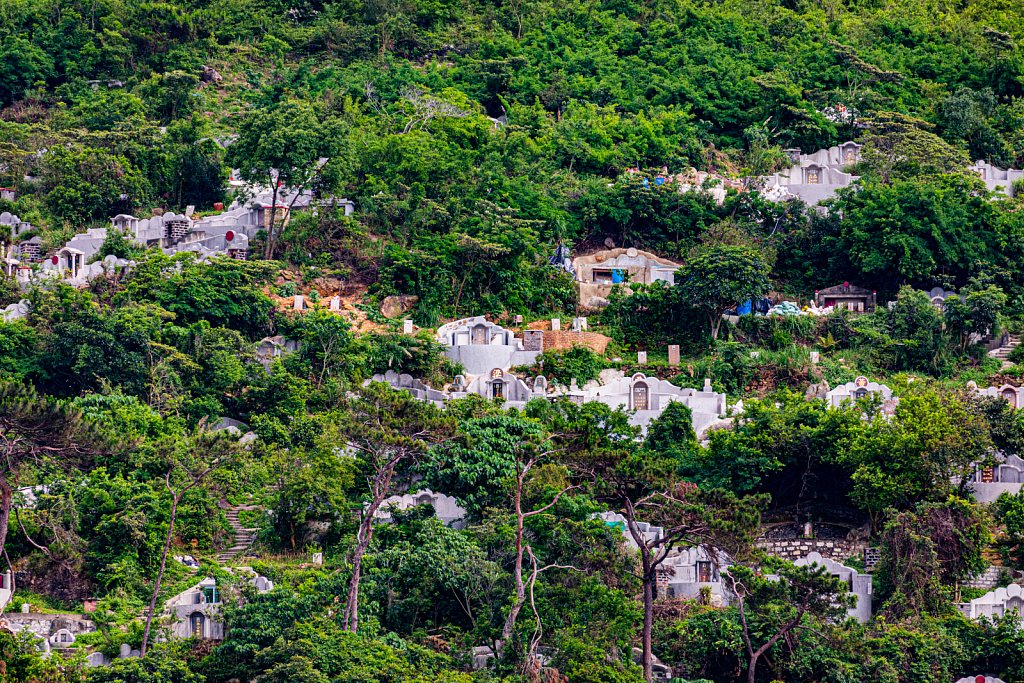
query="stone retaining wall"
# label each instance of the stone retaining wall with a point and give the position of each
(986, 580)
(45, 625)
(840, 551)
(566, 339)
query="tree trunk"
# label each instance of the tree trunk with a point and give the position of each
(517, 572)
(6, 498)
(160, 575)
(379, 487)
(268, 252)
(363, 538)
(716, 322)
(752, 668)
(517, 605)
(648, 583)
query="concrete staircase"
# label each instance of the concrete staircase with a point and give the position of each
(243, 536)
(1002, 353)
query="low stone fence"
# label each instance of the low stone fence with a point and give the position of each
(795, 549)
(45, 625)
(987, 579)
(558, 340)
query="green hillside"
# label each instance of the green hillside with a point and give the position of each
(221, 221)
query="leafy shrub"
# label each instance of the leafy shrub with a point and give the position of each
(579, 363)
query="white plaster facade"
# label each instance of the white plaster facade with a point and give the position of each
(688, 573)
(15, 225)
(1007, 392)
(814, 178)
(858, 585)
(997, 179)
(598, 273)
(648, 532)
(996, 604)
(855, 390)
(988, 483)
(196, 612)
(647, 397)
(445, 507)
(5, 589)
(480, 346)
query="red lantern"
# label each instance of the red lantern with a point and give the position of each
(54, 260)
(230, 235)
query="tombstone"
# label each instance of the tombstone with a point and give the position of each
(1009, 394)
(459, 384)
(579, 324)
(25, 608)
(62, 638)
(556, 324)
(318, 559)
(299, 305)
(540, 384)
(125, 651)
(519, 320)
(755, 354)
(673, 355)
(96, 659)
(707, 385)
(482, 655)
(335, 303)
(641, 357)
(407, 326)
(815, 357)
(872, 556)
(533, 340)
(817, 391)
(640, 393)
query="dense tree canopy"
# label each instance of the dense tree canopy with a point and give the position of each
(184, 405)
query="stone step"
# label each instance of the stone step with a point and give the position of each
(243, 536)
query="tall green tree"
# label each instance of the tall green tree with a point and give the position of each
(721, 277)
(34, 429)
(771, 608)
(924, 452)
(387, 431)
(287, 147)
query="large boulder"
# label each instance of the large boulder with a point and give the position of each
(210, 75)
(397, 305)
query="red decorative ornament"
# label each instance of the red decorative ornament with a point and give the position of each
(230, 235)
(54, 260)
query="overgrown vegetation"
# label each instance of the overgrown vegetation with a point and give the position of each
(475, 138)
